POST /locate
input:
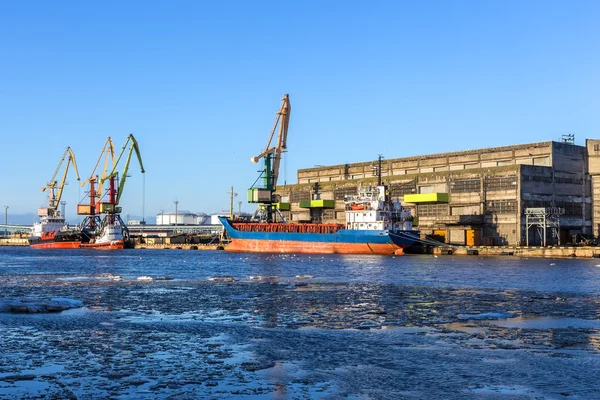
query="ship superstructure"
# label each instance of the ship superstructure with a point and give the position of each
(371, 208)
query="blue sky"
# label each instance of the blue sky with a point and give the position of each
(198, 83)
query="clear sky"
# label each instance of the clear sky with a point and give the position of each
(198, 83)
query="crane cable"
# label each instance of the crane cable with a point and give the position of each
(144, 199)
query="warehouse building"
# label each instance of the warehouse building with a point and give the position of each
(536, 193)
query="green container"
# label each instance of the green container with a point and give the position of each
(283, 206)
(317, 204)
(427, 198)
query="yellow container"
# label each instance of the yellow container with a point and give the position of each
(84, 209)
(440, 232)
(473, 237)
(427, 198)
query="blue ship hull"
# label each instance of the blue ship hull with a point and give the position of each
(342, 241)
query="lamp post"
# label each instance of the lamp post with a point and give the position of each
(232, 195)
(176, 202)
(5, 215)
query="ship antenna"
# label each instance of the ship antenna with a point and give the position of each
(379, 170)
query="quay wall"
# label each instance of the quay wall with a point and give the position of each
(518, 251)
(14, 242)
(521, 251)
(180, 246)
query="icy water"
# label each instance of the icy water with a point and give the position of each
(161, 324)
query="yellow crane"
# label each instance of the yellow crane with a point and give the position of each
(54, 199)
(108, 152)
(272, 160)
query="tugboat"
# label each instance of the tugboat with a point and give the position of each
(111, 237)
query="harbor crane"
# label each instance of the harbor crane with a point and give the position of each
(92, 219)
(268, 204)
(114, 174)
(112, 220)
(54, 198)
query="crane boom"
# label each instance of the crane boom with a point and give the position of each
(134, 147)
(282, 119)
(269, 203)
(54, 200)
(108, 151)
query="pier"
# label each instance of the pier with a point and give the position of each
(186, 246)
(523, 252)
(14, 242)
(518, 251)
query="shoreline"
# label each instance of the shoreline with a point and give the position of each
(515, 251)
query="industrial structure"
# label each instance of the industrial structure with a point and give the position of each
(51, 219)
(51, 211)
(181, 218)
(110, 230)
(474, 197)
(269, 206)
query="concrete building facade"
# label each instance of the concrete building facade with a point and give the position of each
(472, 197)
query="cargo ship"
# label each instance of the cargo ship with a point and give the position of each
(53, 233)
(374, 225)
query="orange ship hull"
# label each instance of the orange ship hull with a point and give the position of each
(56, 245)
(114, 245)
(289, 246)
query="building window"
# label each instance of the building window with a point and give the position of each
(341, 193)
(402, 188)
(501, 182)
(597, 147)
(502, 206)
(299, 196)
(432, 210)
(465, 185)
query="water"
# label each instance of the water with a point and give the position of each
(560, 275)
(209, 324)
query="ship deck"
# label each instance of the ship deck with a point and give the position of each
(285, 228)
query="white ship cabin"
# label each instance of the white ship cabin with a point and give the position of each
(48, 223)
(372, 209)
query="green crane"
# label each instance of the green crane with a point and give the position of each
(264, 196)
